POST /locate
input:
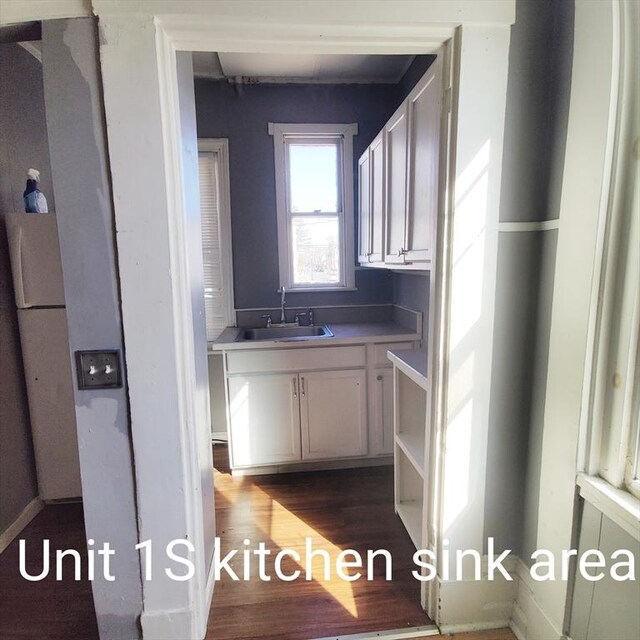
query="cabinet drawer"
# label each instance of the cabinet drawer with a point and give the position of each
(277, 360)
(380, 352)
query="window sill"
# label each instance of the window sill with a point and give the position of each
(617, 504)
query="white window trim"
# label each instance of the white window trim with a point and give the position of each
(347, 233)
(608, 434)
(221, 147)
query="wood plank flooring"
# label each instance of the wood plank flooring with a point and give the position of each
(335, 508)
(345, 509)
(46, 610)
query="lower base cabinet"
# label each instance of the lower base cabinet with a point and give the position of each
(278, 418)
(333, 410)
(264, 415)
(383, 410)
(309, 405)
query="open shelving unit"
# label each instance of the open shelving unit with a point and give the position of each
(410, 387)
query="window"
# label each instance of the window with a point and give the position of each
(213, 165)
(613, 387)
(314, 197)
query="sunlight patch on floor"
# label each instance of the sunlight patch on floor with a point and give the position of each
(288, 531)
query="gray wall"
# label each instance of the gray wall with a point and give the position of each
(540, 58)
(411, 290)
(538, 93)
(23, 130)
(23, 143)
(79, 160)
(242, 115)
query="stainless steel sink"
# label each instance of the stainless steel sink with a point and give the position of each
(285, 333)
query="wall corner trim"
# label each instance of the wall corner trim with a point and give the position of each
(543, 225)
(24, 518)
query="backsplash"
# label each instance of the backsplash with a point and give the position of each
(347, 314)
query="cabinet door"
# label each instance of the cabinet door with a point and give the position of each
(334, 414)
(396, 133)
(382, 421)
(378, 204)
(264, 416)
(425, 105)
(364, 209)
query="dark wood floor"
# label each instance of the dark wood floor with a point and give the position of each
(346, 509)
(340, 509)
(46, 610)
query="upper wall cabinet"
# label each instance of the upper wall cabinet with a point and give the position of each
(400, 186)
(371, 187)
(396, 132)
(425, 107)
(364, 209)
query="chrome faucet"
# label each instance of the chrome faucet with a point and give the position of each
(283, 317)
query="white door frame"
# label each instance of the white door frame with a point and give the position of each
(477, 36)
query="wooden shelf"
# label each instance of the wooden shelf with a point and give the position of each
(413, 446)
(410, 428)
(413, 363)
(411, 515)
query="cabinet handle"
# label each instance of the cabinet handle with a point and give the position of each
(302, 382)
(379, 378)
(295, 387)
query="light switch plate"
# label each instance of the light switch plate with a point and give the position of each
(98, 369)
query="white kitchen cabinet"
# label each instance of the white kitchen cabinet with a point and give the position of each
(382, 418)
(333, 408)
(264, 419)
(400, 182)
(396, 134)
(291, 407)
(377, 201)
(364, 208)
(425, 107)
(371, 221)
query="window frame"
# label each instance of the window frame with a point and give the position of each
(283, 133)
(609, 445)
(220, 146)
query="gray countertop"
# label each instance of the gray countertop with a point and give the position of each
(352, 333)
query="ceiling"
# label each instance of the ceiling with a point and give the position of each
(308, 68)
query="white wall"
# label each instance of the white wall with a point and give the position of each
(161, 280)
(481, 111)
(79, 163)
(189, 136)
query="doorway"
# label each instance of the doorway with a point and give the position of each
(338, 510)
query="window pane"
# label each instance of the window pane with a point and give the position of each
(316, 253)
(313, 178)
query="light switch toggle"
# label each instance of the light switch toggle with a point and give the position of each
(98, 369)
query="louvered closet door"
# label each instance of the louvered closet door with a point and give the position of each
(214, 285)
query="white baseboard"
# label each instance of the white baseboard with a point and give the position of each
(25, 517)
(476, 605)
(220, 435)
(320, 465)
(529, 621)
(162, 625)
(446, 629)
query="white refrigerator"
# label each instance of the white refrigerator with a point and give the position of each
(37, 280)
